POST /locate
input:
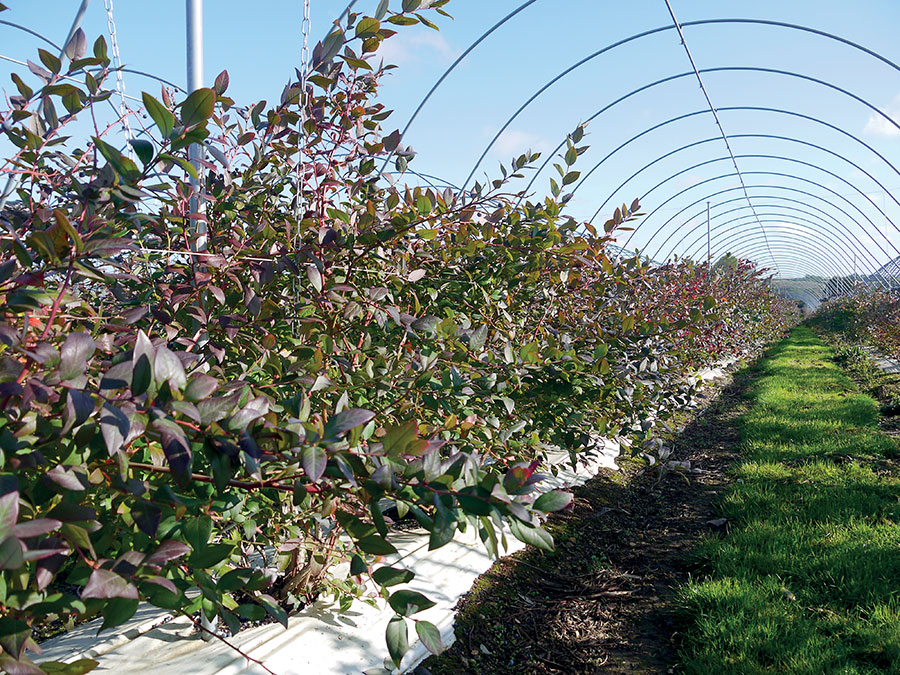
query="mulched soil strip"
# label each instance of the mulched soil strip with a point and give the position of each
(603, 602)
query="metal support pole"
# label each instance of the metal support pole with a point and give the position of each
(76, 23)
(194, 82)
(194, 52)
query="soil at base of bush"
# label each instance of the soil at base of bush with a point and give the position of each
(604, 601)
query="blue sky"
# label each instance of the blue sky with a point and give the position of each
(259, 44)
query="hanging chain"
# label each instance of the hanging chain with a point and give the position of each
(117, 62)
(299, 202)
(304, 105)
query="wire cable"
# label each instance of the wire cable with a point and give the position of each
(715, 115)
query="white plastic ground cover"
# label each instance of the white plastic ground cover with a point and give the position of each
(719, 370)
(320, 640)
(884, 363)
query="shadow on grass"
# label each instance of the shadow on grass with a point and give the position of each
(805, 580)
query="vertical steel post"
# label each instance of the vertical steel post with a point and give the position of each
(194, 53)
(195, 81)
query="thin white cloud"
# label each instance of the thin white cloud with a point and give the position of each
(513, 142)
(877, 125)
(686, 181)
(407, 48)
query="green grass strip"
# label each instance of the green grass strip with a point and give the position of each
(807, 579)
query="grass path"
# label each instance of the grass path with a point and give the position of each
(807, 578)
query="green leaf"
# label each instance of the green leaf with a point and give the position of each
(346, 420)
(73, 356)
(242, 578)
(391, 576)
(397, 639)
(122, 164)
(14, 634)
(274, 609)
(100, 49)
(478, 338)
(198, 107)
(11, 554)
(167, 368)
(315, 277)
(23, 88)
(397, 439)
(117, 611)
(406, 602)
(200, 387)
(76, 46)
(161, 116)
(376, 545)
(367, 27)
(79, 667)
(50, 60)
(531, 535)
(555, 500)
(411, 5)
(357, 565)
(9, 513)
(143, 149)
(474, 505)
(114, 425)
(430, 636)
(210, 556)
(107, 584)
(444, 526)
(314, 461)
(252, 612)
(147, 516)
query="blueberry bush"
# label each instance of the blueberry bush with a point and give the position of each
(344, 351)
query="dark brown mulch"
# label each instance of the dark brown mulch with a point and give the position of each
(604, 601)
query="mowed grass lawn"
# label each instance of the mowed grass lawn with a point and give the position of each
(807, 578)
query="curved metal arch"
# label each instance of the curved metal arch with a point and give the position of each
(691, 73)
(796, 266)
(783, 249)
(446, 74)
(724, 109)
(784, 188)
(824, 257)
(154, 77)
(853, 244)
(795, 262)
(793, 265)
(791, 261)
(780, 158)
(654, 31)
(826, 218)
(834, 236)
(767, 173)
(738, 233)
(50, 42)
